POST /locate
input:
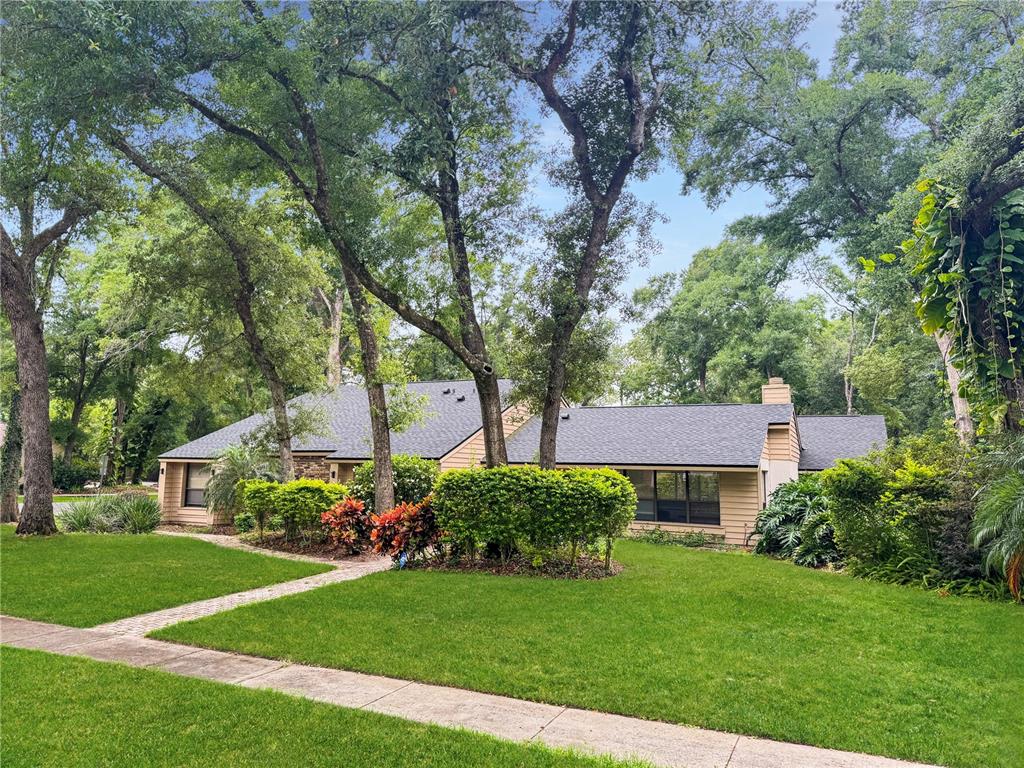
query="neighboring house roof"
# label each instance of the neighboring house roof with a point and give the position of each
(667, 435)
(825, 439)
(448, 422)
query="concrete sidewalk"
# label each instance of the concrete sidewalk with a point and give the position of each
(625, 737)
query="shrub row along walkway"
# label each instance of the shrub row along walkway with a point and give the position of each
(660, 743)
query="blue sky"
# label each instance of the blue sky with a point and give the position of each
(691, 224)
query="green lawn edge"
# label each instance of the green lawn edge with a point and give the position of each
(66, 711)
(82, 579)
(761, 647)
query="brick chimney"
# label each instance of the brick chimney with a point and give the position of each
(776, 392)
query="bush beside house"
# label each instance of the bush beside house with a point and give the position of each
(504, 511)
(903, 515)
(414, 479)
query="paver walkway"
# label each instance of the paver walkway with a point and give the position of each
(233, 542)
(149, 622)
(660, 743)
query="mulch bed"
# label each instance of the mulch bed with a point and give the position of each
(276, 542)
(586, 567)
(220, 530)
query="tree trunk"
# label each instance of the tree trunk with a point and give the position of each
(33, 380)
(551, 412)
(71, 440)
(10, 463)
(229, 235)
(961, 408)
(383, 471)
(337, 310)
(847, 382)
(489, 394)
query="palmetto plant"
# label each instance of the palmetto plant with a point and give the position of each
(999, 518)
(238, 462)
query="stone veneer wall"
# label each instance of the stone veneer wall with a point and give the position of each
(313, 467)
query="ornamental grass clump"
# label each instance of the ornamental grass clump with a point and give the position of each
(128, 512)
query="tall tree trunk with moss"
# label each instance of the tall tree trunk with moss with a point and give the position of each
(380, 429)
(10, 462)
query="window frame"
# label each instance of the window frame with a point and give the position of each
(686, 511)
(189, 466)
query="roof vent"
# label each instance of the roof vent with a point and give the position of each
(565, 416)
(446, 391)
(460, 398)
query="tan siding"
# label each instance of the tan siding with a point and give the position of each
(470, 453)
(794, 441)
(740, 504)
(739, 500)
(171, 492)
(342, 472)
(777, 443)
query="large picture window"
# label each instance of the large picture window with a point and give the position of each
(196, 478)
(676, 497)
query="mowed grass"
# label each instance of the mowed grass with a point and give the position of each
(721, 640)
(84, 579)
(61, 711)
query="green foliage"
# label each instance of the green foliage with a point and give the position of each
(74, 477)
(695, 539)
(301, 503)
(125, 512)
(795, 524)
(971, 289)
(234, 465)
(414, 478)
(500, 507)
(999, 522)
(259, 501)
(245, 521)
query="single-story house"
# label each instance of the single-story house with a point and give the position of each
(695, 467)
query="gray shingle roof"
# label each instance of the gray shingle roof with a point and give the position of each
(694, 435)
(825, 439)
(448, 422)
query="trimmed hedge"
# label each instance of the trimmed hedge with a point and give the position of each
(501, 507)
(299, 504)
(414, 478)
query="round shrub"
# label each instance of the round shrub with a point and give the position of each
(501, 508)
(301, 503)
(414, 478)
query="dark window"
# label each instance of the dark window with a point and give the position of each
(196, 478)
(676, 497)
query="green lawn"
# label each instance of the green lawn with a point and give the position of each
(61, 711)
(721, 640)
(84, 579)
(73, 497)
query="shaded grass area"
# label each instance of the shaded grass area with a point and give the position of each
(61, 711)
(84, 579)
(721, 640)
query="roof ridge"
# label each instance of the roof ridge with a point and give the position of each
(682, 405)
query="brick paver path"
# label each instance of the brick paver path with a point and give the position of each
(659, 743)
(149, 622)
